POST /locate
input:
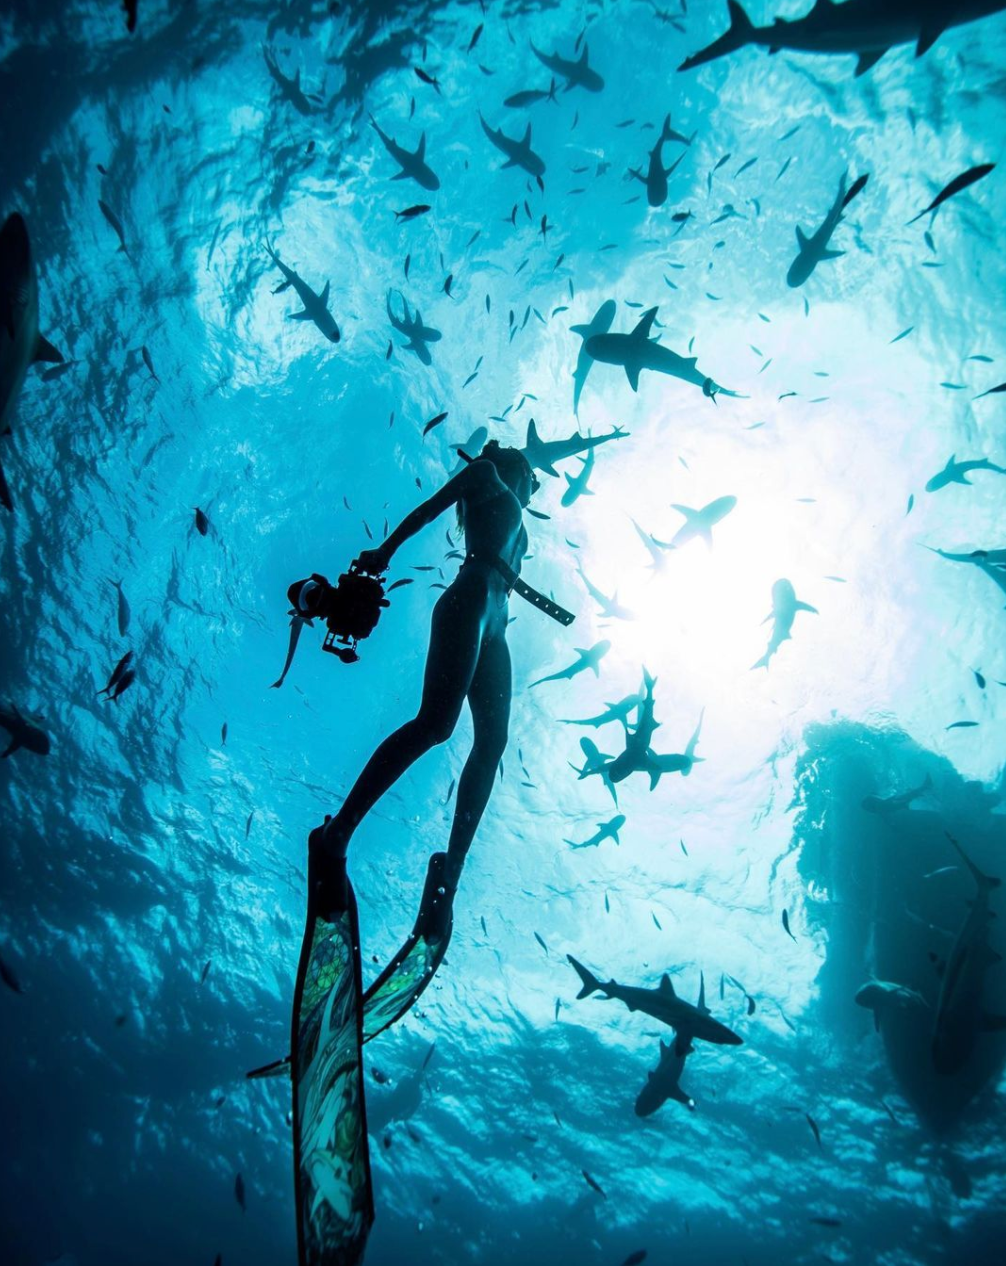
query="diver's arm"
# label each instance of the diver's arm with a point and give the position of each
(475, 482)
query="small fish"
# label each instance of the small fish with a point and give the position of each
(391, 348)
(784, 168)
(887, 1109)
(911, 502)
(434, 422)
(594, 1184)
(557, 1004)
(248, 823)
(956, 185)
(656, 921)
(149, 363)
(427, 79)
(410, 213)
(408, 261)
(202, 522)
(904, 334)
(117, 672)
(406, 580)
(825, 1221)
(475, 37)
(223, 734)
(206, 971)
(123, 613)
(447, 284)
(813, 1125)
(792, 132)
(962, 725)
(122, 685)
(683, 849)
(239, 1193)
(116, 224)
(541, 942)
(607, 904)
(785, 924)
(366, 528)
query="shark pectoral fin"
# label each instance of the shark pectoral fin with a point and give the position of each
(325, 293)
(584, 331)
(632, 373)
(805, 606)
(298, 316)
(421, 151)
(44, 350)
(927, 38)
(401, 175)
(655, 777)
(831, 254)
(868, 59)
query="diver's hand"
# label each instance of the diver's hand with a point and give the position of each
(373, 561)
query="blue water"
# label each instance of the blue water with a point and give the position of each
(145, 847)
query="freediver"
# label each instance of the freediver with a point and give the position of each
(468, 658)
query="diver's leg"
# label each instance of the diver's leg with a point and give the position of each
(489, 700)
(455, 638)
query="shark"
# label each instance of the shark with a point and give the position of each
(636, 351)
(599, 323)
(663, 1082)
(883, 996)
(518, 152)
(639, 756)
(25, 731)
(412, 163)
(290, 89)
(21, 343)
(585, 659)
(414, 330)
(891, 804)
(578, 74)
(699, 524)
(472, 447)
(605, 831)
(655, 179)
(662, 1004)
(785, 605)
(959, 1013)
(814, 250)
(543, 454)
(595, 762)
(867, 28)
(955, 472)
(612, 712)
(577, 484)
(315, 305)
(654, 547)
(991, 562)
(611, 608)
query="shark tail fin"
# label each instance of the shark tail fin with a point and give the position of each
(984, 882)
(740, 33)
(588, 980)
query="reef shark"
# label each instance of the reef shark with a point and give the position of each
(891, 804)
(21, 344)
(865, 27)
(654, 547)
(959, 1012)
(413, 164)
(655, 179)
(586, 659)
(543, 454)
(290, 89)
(612, 712)
(315, 305)
(991, 562)
(600, 323)
(577, 74)
(611, 608)
(518, 152)
(414, 330)
(577, 484)
(25, 731)
(814, 250)
(605, 831)
(662, 1004)
(699, 524)
(785, 605)
(636, 351)
(955, 472)
(639, 756)
(663, 1082)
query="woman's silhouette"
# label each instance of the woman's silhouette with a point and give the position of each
(468, 658)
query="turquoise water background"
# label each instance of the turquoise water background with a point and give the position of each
(147, 845)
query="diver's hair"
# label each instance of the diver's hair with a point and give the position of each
(503, 458)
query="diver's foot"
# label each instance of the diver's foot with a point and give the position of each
(326, 869)
(436, 909)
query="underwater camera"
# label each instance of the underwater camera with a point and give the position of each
(350, 609)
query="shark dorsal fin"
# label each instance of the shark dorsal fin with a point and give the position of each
(666, 986)
(642, 329)
(527, 136)
(801, 238)
(532, 434)
(583, 55)
(701, 1004)
(323, 298)
(421, 151)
